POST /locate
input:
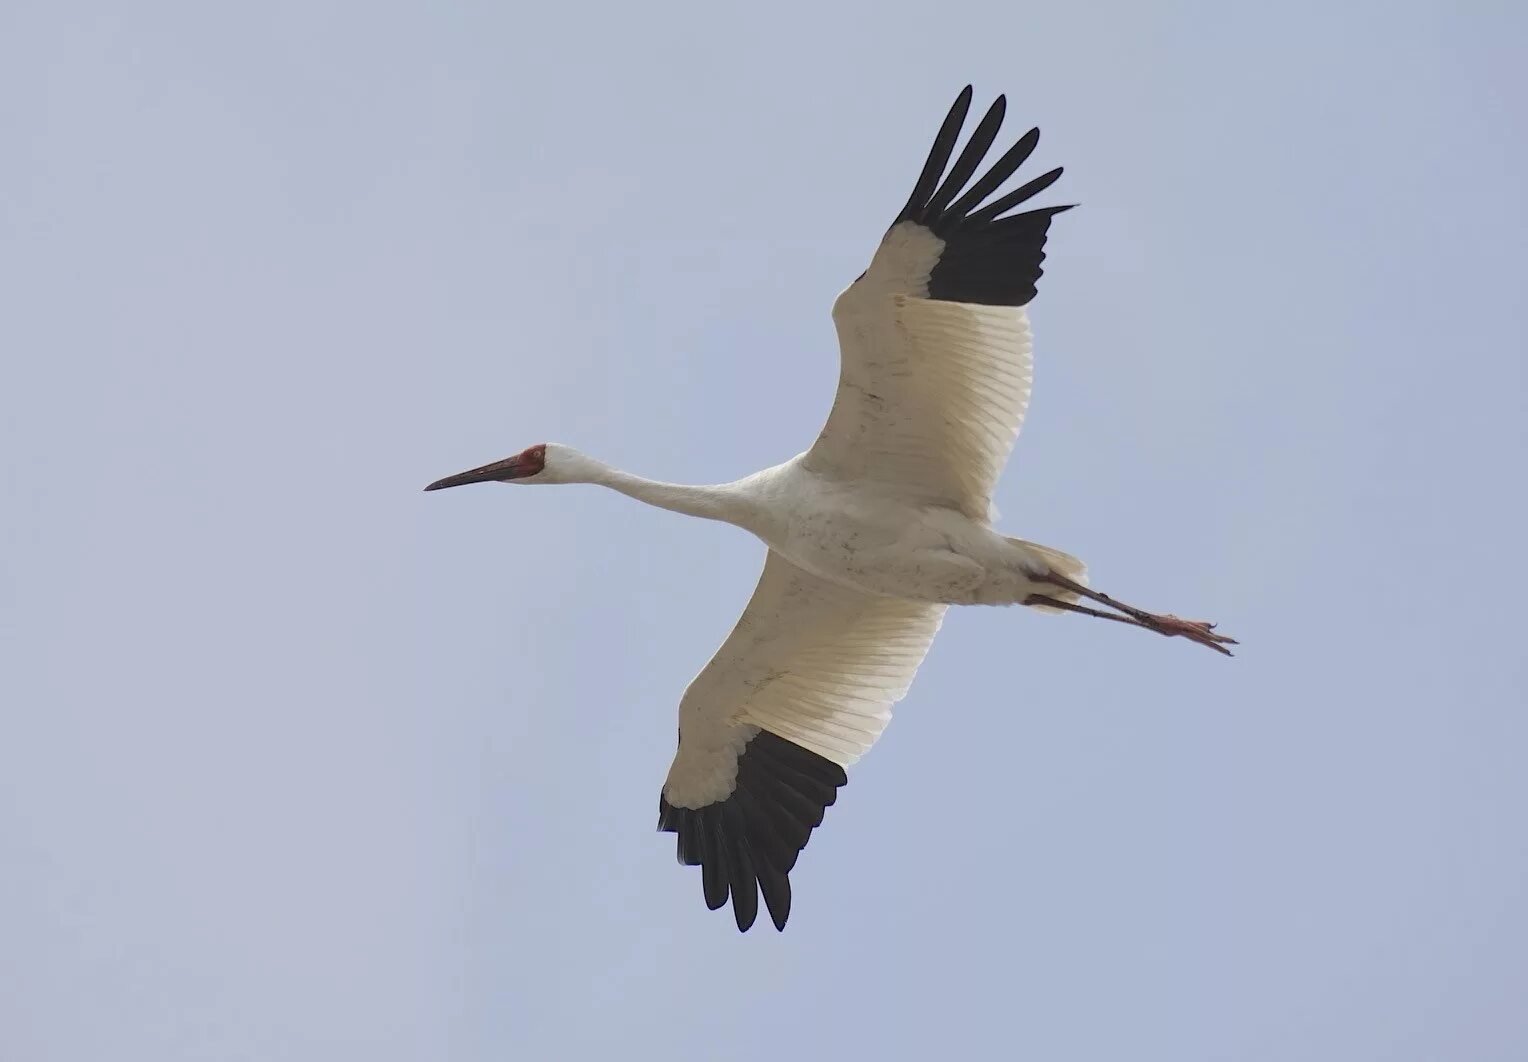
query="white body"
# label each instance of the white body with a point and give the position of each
(872, 532)
(876, 539)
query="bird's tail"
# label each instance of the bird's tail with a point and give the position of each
(1043, 558)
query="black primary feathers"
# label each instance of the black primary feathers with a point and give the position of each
(748, 843)
(987, 258)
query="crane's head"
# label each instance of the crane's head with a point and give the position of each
(542, 463)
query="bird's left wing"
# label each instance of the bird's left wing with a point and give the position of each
(935, 343)
(801, 688)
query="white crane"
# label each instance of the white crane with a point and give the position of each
(872, 532)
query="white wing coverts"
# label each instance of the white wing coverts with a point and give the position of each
(800, 689)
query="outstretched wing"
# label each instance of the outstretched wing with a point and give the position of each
(802, 686)
(934, 340)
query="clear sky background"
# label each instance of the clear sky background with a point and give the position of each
(298, 762)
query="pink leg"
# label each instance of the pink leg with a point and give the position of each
(1169, 626)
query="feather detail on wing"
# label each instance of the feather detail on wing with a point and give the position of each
(801, 688)
(934, 341)
(958, 249)
(931, 397)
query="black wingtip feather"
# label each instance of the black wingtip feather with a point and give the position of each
(1001, 170)
(970, 157)
(1024, 192)
(800, 760)
(747, 843)
(983, 260)
(939, 155)
(713, 883)
(740, 868)
(776, 887)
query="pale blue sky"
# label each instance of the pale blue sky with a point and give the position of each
(298, 762)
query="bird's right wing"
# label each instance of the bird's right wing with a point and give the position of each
(801, 688)
(934, 341)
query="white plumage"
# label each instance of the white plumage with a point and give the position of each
(872, 533)
(812, 660)
(931, 395)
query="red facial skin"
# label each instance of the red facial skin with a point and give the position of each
(531, 461)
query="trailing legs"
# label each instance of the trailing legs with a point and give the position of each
(1169, 626)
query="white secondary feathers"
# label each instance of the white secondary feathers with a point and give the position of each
(809, 660)
(931, 396)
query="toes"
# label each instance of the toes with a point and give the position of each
(1195, 631)
(1210, 641)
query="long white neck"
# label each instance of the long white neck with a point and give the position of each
(719, 502)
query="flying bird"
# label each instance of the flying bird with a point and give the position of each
(873, 532)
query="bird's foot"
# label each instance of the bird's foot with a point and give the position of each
(1167, 625)
(1194, 630)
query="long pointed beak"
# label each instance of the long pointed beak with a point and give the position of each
(509, 468)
